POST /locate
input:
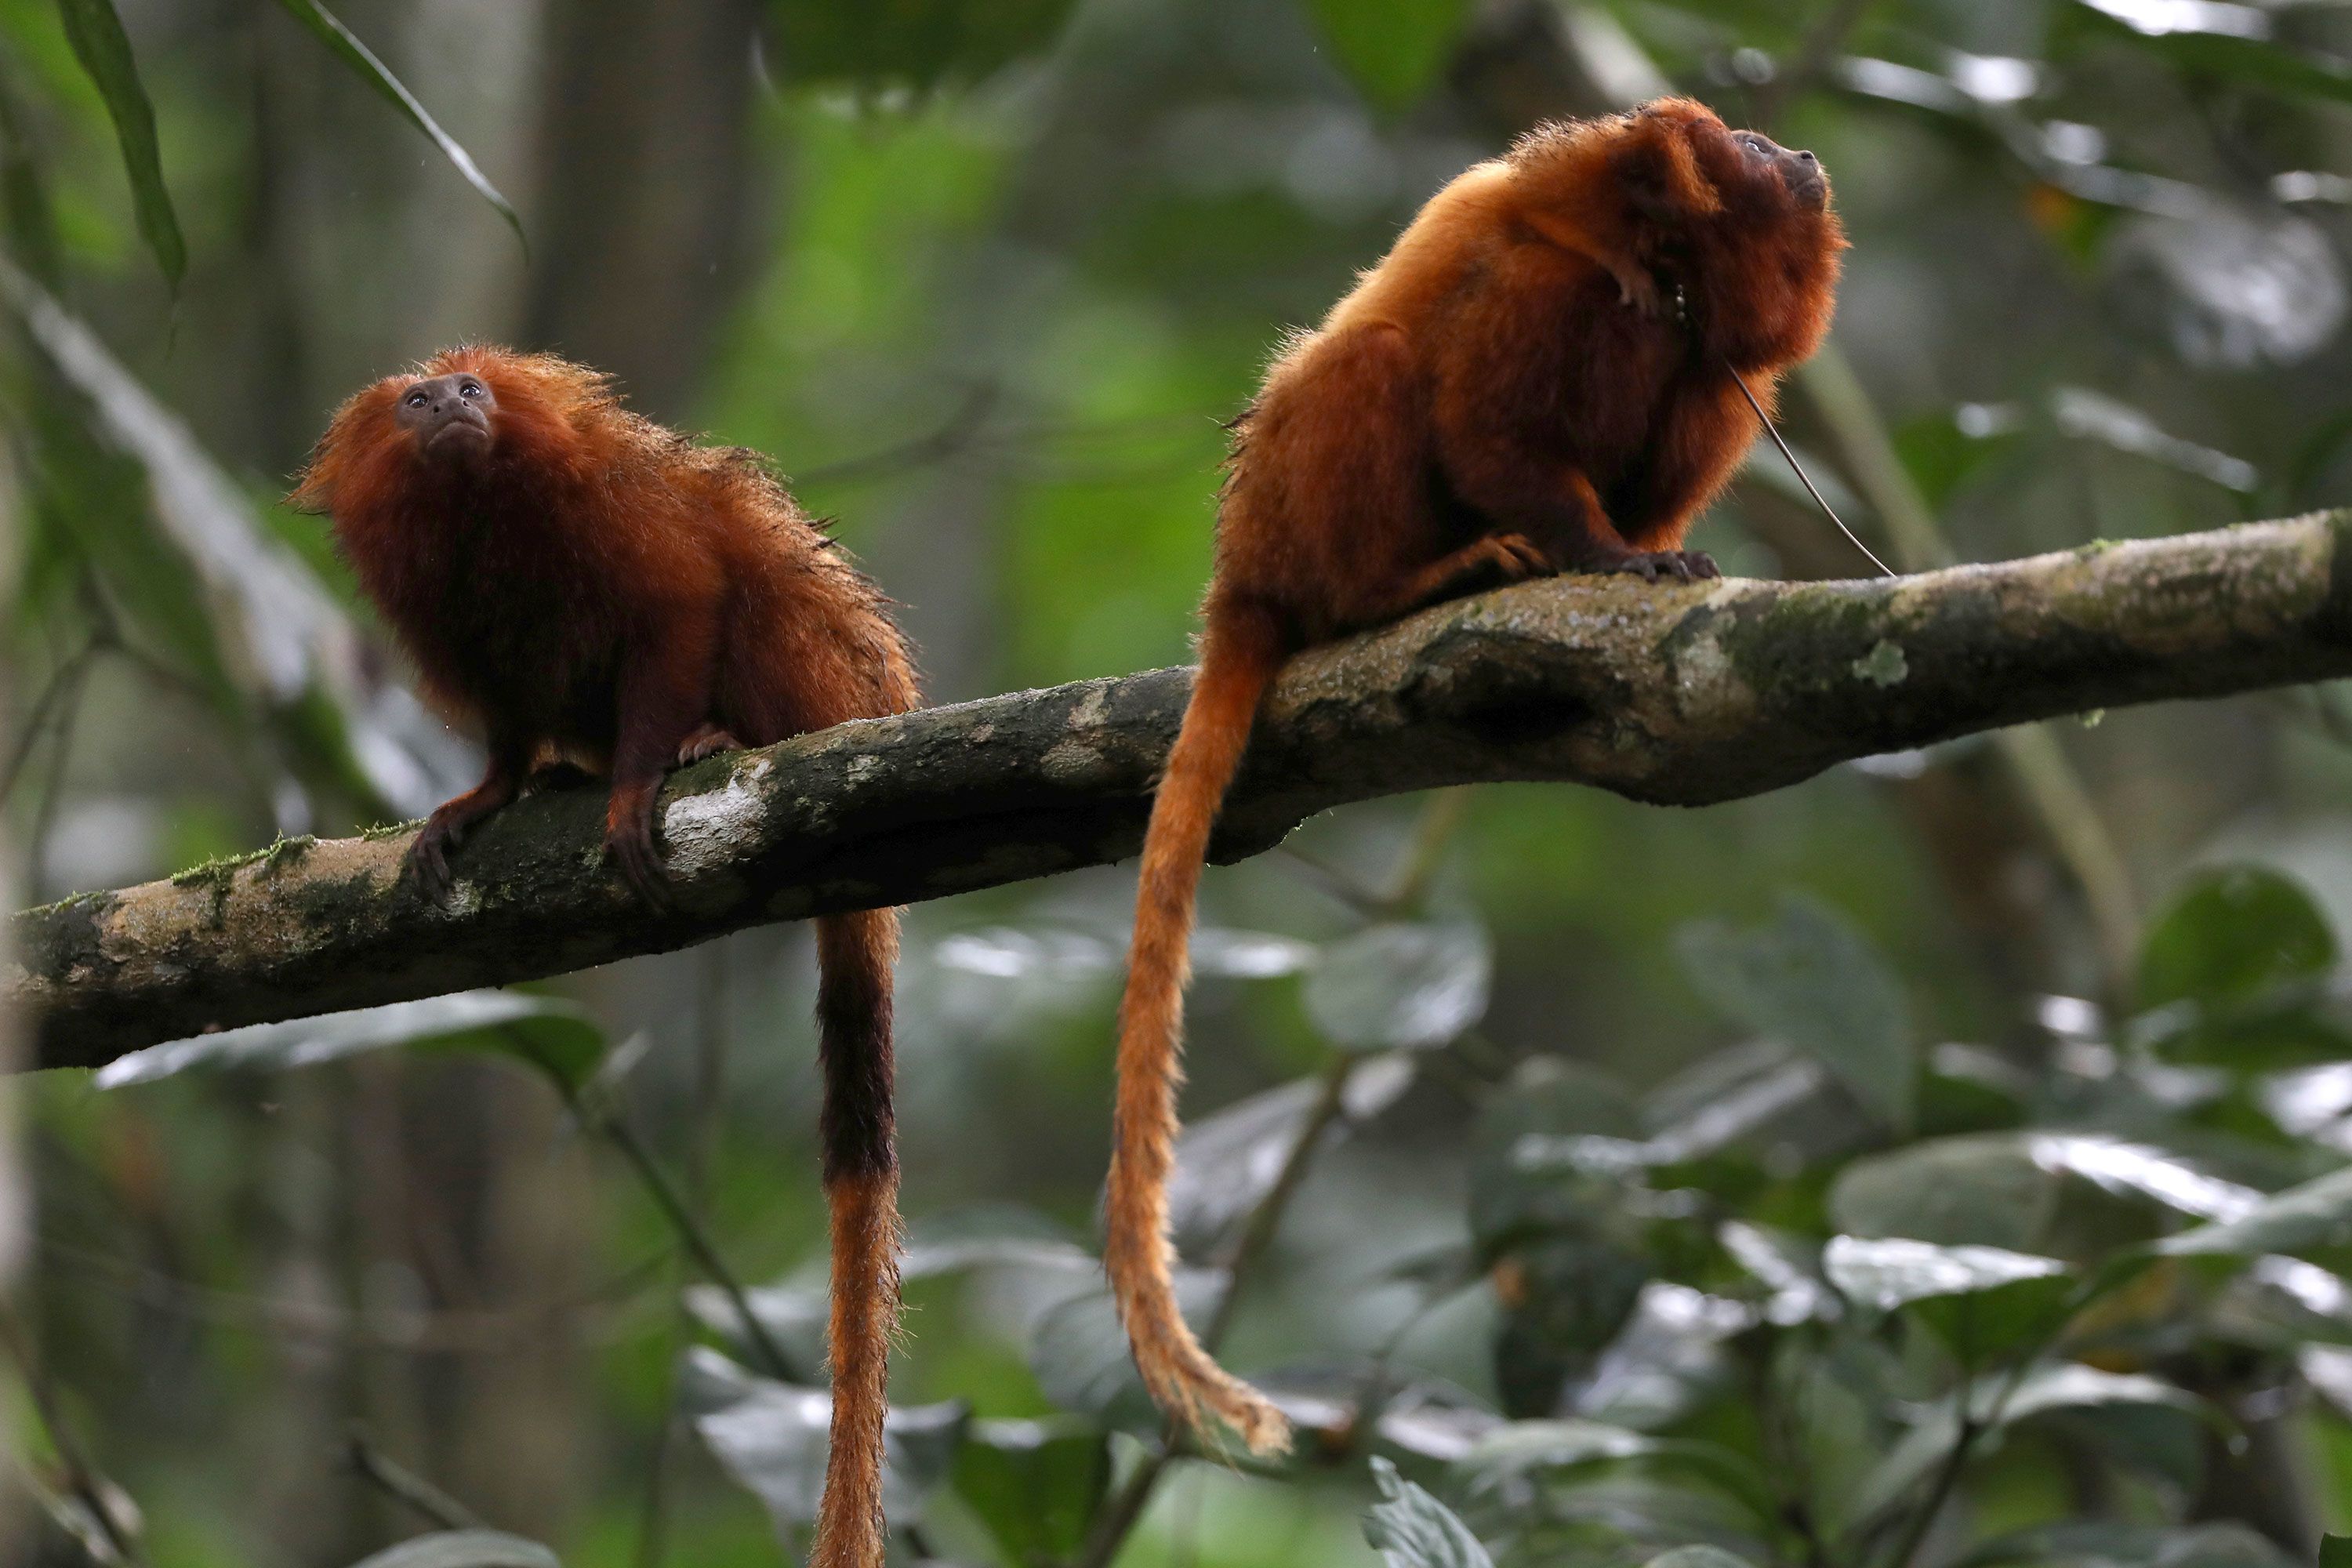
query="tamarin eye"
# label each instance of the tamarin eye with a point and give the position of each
(415, 399)
(471, 389)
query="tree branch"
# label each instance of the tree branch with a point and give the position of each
(1677, 695)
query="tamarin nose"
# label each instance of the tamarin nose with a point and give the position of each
(1808, 157)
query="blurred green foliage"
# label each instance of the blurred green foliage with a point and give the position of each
(1792, 1180)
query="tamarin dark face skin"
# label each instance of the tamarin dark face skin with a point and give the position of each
(579, 583)
(448, 416)
(1542, 375)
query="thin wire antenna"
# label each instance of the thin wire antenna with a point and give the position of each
(1802, 478)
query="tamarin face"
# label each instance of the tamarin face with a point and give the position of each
(448, 418)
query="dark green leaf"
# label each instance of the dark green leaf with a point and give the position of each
(465, 1549)
(2047, 1388)
(921, 43)
(104, 50)
(1401, 986)
(1035, 1484)
(1501, 1462)
(1410, 1528)
(1809, 980)
(1392, 49)
(2230, 935)
(552, 1035)
(346, 46)
(2336, 1551)
(2105, 1544)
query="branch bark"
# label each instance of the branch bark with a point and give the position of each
(1675, 695)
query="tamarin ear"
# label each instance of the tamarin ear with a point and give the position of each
(1658, 168)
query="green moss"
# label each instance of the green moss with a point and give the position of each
(1884, 665)
(390, 830)
(1785, 647)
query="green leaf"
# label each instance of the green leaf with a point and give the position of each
(1980, 1299)
(1392, 49)
(551, 1033)
(104, 50)
(1809, 980)
(346, 46)
(2311, 1218)
(295, 639)
(1502, 1462)
(1036, 1485)
(2069, 1194)
(2230, 935)
(2046, 1389)
(1410, 1528)
(2336, 1551)
(2193, 47)
(1401, 986)
(1888, 1273)
(2107, 1545)
(1697, 1557)
(465, 1549)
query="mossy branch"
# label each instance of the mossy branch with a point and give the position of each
(1677, 695)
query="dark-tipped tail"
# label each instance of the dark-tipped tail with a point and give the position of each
(855, 956)
(1239, 657)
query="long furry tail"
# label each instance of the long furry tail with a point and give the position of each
(855, 955)
(1239, 656)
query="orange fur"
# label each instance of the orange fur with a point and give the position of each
(577, 580)
(1538, 378)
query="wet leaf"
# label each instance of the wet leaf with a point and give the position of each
(99, 42)
(1980, 1299)
(2314, 1217)
(551, 1033)
(345, 46)
(1401, 986)
(464, 1549)
(1410, 1528)
(1893, 1272)
(1809, 980)
(2016, 1190)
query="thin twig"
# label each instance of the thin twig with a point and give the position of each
(1119, 1520)
(82, 1478)
(702, 1130)
(622, 1134)
(404, 1486)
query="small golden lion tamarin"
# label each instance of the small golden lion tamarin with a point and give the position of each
(1540, 377)
(582, 582)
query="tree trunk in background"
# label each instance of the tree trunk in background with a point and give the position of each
(639, 231)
